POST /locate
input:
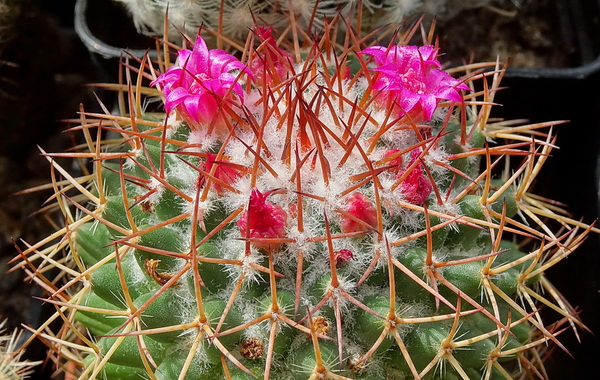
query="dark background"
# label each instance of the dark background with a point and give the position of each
(47, 85)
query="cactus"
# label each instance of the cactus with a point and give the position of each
(320, 212)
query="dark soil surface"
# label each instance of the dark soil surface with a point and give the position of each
(531, 35)
(537, 34)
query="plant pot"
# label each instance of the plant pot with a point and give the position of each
(580, 29)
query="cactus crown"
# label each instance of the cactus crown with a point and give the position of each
(311, 212)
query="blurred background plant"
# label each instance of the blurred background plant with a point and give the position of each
(188, 16)
(541, 37)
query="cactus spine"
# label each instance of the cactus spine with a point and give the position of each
(327, 211)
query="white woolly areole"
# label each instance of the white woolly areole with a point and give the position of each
(173, 124)
(158, 189)
(201, 141)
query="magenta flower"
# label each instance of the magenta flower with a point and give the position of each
(262, 220)
(411, 76)
(199, 81)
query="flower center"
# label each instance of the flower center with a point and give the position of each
(413, 82)
(202, 77)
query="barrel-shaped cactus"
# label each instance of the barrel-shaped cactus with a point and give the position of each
(320, 212)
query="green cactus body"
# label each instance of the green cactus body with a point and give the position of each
(308, 228)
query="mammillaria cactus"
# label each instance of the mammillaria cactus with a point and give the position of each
(321, 212)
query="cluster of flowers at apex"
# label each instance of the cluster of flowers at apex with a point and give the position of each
(204, 88)
(409, 76)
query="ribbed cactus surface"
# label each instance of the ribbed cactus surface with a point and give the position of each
(321, 211)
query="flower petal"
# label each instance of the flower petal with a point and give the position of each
(412, 74)
(198, 76)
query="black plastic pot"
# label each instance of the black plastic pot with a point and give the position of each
(577, 35)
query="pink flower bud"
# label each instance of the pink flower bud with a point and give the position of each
(342, 255)
(262, 220)
(395, 162)
(361, 209)
(272, 63)
(416, 187)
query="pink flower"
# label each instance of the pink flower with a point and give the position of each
(358, 208)
(411, 76)
(197, 83)
(416, 187)
(272, 63)
(262, 220)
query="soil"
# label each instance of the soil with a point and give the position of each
(536, 34)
